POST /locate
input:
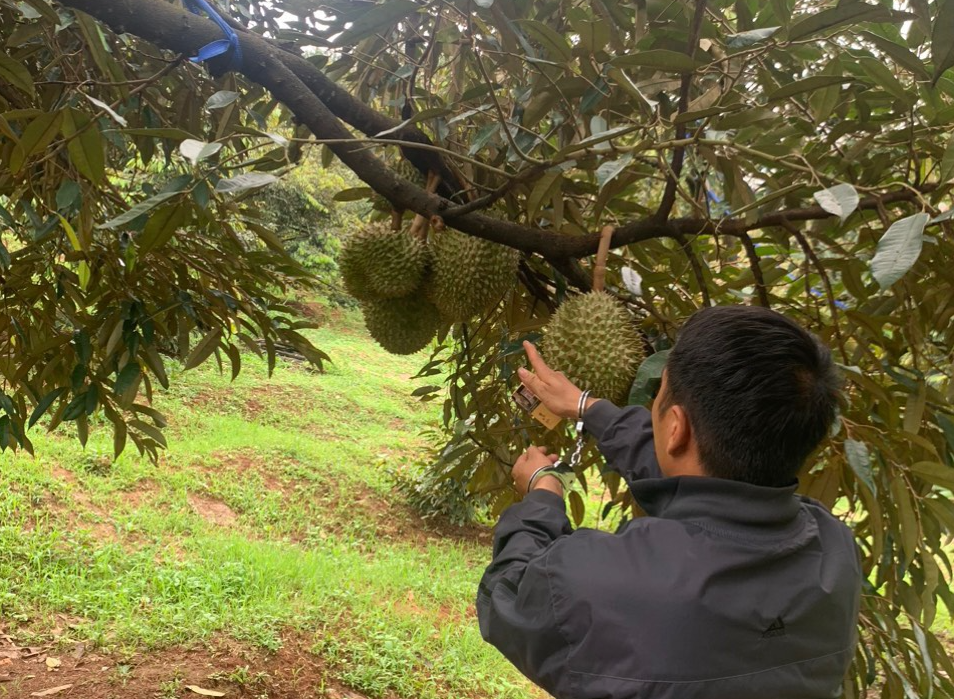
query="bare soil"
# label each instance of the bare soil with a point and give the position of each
(224, 668)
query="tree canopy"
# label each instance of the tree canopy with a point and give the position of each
(792, 153)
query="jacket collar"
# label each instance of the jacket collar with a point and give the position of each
(717, 503)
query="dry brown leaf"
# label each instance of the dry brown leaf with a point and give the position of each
(51, 691)
(204, 692)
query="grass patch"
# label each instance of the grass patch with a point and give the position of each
(270, 514)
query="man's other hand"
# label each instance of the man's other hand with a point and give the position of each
(529, 462)
(553, 389)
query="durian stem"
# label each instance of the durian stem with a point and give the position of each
(599, 270)
(420, 223)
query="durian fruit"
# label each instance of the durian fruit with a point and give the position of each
(377, 262)
(402, 325)
(470, 274)
(592, 340)
(405, 169)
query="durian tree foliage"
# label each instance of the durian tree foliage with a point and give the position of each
(792, 153)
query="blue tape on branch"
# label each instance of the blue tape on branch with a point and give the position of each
(220, 46)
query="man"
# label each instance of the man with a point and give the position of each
(733, 586)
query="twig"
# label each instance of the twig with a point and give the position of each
(756, 270)
(696, 267)
(826, 282)
(679, 155)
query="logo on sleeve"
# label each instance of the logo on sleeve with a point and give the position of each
(777, 628)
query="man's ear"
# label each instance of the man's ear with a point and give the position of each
(680, 431)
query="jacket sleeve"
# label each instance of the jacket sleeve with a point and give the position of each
(514, 600)
(625, 439)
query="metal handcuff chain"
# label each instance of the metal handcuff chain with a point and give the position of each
(566, 472)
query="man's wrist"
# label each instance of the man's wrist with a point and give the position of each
(547, 481)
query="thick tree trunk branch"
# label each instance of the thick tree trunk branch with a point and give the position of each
(171, 28)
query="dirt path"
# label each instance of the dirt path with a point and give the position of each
(223, 668)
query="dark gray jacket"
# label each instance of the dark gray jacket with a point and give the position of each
(725, 591)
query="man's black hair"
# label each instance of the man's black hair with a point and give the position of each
(760, 392)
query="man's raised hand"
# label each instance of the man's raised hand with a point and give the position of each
(553, 389)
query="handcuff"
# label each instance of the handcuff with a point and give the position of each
(561, 470)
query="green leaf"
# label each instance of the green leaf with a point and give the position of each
(196, 151)
(750, 38)
(119, 437)
(553, 42)
(161, 226)
(204, 349)
(898, 249)
(423, 115)
(127, 378)
(947, 172)
(860, 461)
(149, 430)
(935, 473)
(16, 74)
(380, 17)
(610, 170)
(594, 140)
(901, 55)
(816, 82)
(222, 98)
(67, 195)
(883, 76)
(107, 109)
(71, 234)
(647, 378)
(942, 40)
(577, 507)
(44, 404)
(354, 194)
(244, 182)
(840, 200)
(85, 146)
(660, 59)
(542, 190)
(909, 532)
(845, 13)
(38, 135)
(170, 133)
(140, 209)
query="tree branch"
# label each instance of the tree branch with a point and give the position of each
(696, 268)
(756, 270)
(679, 154)
(811, 255)
(169, 27)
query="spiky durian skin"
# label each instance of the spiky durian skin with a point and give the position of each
(379, 263)
(403, 325)
(470, 274)
(405, 169)
(592, 340)
(352, 274)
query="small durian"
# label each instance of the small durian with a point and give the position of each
(470, 274)
(591, 339)
(402, 325)
(377, 262)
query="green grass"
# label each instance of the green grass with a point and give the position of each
(270, 514)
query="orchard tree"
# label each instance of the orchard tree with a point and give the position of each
(795, 154)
